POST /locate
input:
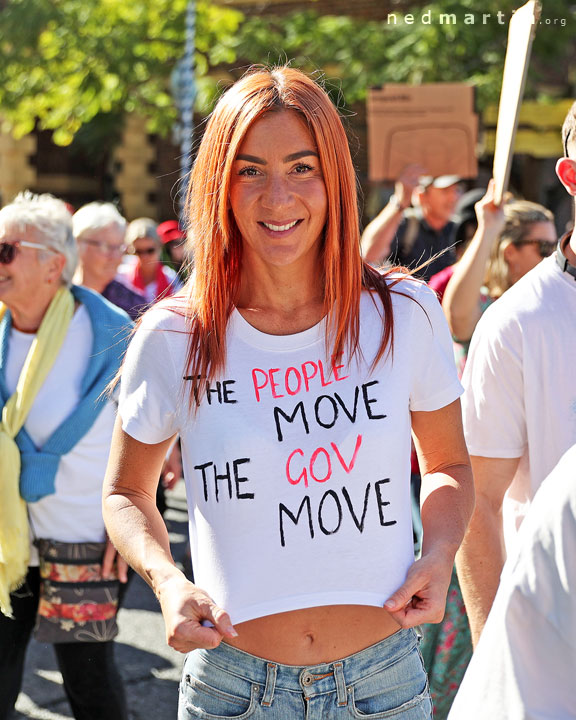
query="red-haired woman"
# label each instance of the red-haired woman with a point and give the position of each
(294, 375)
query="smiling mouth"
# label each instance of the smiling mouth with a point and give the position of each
(280, 228)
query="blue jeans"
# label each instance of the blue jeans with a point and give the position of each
(387, 680)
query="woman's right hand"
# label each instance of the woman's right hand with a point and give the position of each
(490, 216)
(184, 608)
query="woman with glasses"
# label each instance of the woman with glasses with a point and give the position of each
(509, 242)
(99, 230)
(60, 344)
(147, 274)
(294, 374)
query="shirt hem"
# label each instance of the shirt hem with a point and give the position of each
(138, 433)
(439, 400)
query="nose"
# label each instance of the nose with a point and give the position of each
(277, 193)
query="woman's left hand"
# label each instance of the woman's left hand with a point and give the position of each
(422, 597)
(112, 556)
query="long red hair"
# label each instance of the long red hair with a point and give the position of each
(216, 241)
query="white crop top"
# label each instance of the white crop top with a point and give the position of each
(297, 467)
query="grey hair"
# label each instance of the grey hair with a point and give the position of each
(142, 228)
(52, 221)
(95, 216)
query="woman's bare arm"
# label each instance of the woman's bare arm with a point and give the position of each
(447, 501)
(138, 531)
(461, 301)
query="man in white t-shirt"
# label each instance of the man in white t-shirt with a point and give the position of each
(520, 404)
(516, 673)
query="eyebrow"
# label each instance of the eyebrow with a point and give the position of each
(288, 158)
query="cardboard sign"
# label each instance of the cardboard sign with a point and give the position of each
(433, 125)
(520, 36)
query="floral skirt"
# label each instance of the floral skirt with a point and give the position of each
(447, 649)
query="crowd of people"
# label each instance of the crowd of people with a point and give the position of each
(376, 432)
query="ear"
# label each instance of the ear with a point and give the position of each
(508, 253)
(566, 171)
(55, 267)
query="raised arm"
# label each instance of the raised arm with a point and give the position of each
(447, 500)
(481, 558)
(461, 301)
(137, 530)
(378, 234)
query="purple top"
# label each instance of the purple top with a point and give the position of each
(130, 301)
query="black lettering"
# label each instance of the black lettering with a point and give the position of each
(368, 401)
(332, 494)
(351, 417)
(238, 479)
(227, 392)
(290, 418)
(225, 476)
(282, 508)
(359, 525)
(334, 411)
(381, 503)
(210, 390)
(222, 391)
(202, 468)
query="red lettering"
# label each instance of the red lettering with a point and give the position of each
(335, 368)
(287, 382)
(322, 378)
(258, 387)
(273, 383)
(328, 461)
(307, 377)
(349, 467)
(303, 474)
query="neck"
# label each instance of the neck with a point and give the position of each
(570, 249)
(148, 273)
(279, 289)
(29, 318)
(82, 276)
(435, 222)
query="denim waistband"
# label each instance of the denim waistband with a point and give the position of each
(314, 679)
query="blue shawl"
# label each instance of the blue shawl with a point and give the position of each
(111, 331)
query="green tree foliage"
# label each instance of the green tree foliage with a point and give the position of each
(66, 61)
(444, 41)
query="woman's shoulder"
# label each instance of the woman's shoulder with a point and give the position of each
(170, 314)
(405, 289)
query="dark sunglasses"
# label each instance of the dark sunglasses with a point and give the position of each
(145, 251)
(545, 247)
(8, 251)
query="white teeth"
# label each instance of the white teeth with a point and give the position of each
(280, 228)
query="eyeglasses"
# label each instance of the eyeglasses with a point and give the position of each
(145, 251)
(566, 143)
(545, 247)
(103, 247)
(8, 251)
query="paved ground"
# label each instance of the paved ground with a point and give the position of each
(151, 670)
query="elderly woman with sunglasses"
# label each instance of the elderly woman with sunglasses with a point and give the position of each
(147, 274)
(60, 345)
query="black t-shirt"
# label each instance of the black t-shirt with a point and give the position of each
(426, 243)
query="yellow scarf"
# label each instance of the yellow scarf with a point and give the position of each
(14, 535)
